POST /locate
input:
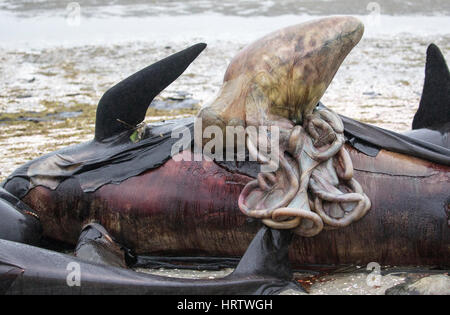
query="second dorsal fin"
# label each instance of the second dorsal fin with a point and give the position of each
(434, 108)
(126, 103)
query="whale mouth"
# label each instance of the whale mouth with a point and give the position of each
(306, 182)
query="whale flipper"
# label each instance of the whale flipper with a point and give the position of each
(267, 255)
(97, 246)
(126, 103)
(18, 222)
(434, 108)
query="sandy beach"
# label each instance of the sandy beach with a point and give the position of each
(55, 64)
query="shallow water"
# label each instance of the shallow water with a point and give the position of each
(230, 7)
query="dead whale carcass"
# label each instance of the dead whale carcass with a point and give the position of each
(156, 204)
(24, 269)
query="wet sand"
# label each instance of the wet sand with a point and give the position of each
(356, 281)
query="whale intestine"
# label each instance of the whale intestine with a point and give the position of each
(278, 81)
(314, 186)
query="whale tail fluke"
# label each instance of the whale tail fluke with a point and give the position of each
(434, 108)
(126, 103)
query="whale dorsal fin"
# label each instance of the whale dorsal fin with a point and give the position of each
(126, 103)
(434, 108)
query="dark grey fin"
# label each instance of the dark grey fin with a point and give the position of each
(8, 275)
(18, 222)
(95, 245)
(434, 108)
(267, 255)
(125, 104)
